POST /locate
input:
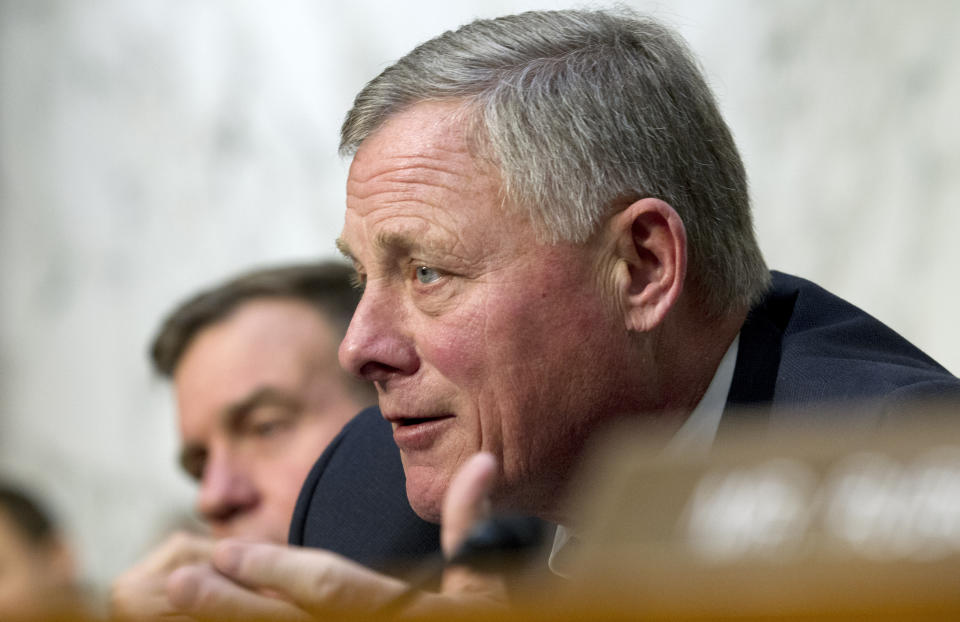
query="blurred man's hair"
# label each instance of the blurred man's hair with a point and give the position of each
(583, 112)
(326, 286)
(30, 519)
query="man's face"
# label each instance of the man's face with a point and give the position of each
(259, 395)
(478, 336)
(32, 576)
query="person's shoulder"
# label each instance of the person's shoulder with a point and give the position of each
(367, 434)
(837, 351)
(354, 501)
(800, 305)
(816, 322)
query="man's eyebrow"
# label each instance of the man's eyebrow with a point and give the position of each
(344, 248)
(398, 243)
(406, 242)
(393, 241)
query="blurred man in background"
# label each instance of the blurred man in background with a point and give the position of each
(37, 569)
(259, 396)
(259, 390)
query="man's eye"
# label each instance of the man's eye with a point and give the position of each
(267, 428)
(266, 421)
(427, 275)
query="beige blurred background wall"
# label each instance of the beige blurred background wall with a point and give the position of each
(148, 147)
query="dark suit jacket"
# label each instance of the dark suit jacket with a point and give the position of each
(802, 346)
(354, 501)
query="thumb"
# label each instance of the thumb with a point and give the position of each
(467, 500)
(466, 503)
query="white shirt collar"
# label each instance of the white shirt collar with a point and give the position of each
(696, 435)
(700, 429)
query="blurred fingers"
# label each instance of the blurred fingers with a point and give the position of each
(315, 580)
(203, 594)
(140, 592)
(467, 500)
(182, 548)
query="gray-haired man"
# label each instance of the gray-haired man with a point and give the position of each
(552, 224)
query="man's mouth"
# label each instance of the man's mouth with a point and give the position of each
(402, 420)
(412, 433)
(408, 421)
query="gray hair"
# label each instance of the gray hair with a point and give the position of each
(583, 111)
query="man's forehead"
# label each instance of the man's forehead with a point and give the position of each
(427, 128)
(266, 342)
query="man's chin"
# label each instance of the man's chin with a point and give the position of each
(427, 504)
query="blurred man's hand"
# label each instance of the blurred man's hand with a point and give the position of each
(140, 593)
(266, 581)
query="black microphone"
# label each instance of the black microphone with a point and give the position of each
(491, 545)
(494, 541)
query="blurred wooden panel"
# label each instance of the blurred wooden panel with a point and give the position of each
(835, 523)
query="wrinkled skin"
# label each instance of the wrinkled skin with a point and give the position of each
(469, 321)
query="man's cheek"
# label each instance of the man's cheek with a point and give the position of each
(458, 350)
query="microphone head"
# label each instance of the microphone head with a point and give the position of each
(499, 540)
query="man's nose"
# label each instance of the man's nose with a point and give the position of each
(226, 491)
(376, 346)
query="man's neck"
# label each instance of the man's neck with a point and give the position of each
(696, 434)
(689, 353)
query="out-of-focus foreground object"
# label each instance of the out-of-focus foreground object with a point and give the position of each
(796, 524)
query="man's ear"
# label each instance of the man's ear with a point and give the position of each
(651, 245)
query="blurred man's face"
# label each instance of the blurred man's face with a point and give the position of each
(478, 336)
(259, 396)
(34, 578)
